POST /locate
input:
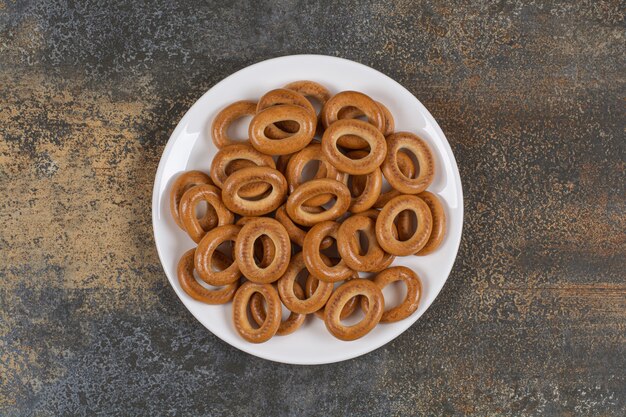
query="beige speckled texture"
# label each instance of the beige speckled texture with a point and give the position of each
(531, 97)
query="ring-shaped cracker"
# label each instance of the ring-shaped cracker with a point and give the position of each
(439, 223)
(369, 186)
(351, 112)
(313, 259)
(281, 130)
(252, 230)
(263, 248)
(297, 202)
(204, 257)
(310, 287)
(234, 157)
(282, 146)
(192, 287)
(367, 106)
(192, 197)
(316, 301)
(183, 182)
(240, 312)
(349, 246)
(297, 163)
(338, 300)
(410, 303)
(266, 203)
(373, 137)
(387, 257)
(426, 163)
(407, 167)
(288, 326)
(232, 112)
(385, 225)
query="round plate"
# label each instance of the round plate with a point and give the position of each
(190, 147)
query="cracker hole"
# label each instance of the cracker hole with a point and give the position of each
(258, 197)
(201, 209)
(284, 311)
(364, 243)
(227, 248)
(394, 294)
(406, 222)
(301, 277)
(356, 185)
(238, 129)
(315, 103)
(360, 156)
(237, 164)
(332, 252)
(259, 250)
(309, 171)
(204, 284)
(414, 160)
(251, 319)
(294, 122)
(330, 203)
(355, 317)
(386, 186)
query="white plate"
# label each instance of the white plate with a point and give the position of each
(190, 147)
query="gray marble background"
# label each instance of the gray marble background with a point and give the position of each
(531, 97)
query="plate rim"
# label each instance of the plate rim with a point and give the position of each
(170, 145)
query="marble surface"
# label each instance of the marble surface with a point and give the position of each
(531, 97)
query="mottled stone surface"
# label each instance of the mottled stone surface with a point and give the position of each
(531, 97)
